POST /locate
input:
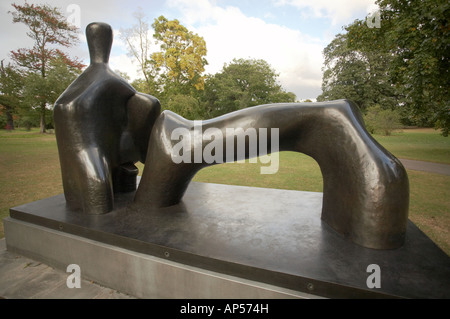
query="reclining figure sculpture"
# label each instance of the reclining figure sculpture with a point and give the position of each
(103, 126)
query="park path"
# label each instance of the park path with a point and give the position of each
(437, 168)
(24, 278)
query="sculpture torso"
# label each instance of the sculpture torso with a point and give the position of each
(102, 125)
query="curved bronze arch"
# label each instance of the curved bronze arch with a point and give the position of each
(366, 189)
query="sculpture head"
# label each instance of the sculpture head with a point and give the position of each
(99, 38)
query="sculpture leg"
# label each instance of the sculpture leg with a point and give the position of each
(87, 181)
(366, 190)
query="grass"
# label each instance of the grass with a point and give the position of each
(418, 144)
(29, 171)
(296, 172)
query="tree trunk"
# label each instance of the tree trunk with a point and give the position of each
(9, 119)
(42, 124)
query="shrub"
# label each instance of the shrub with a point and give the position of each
(381, 121)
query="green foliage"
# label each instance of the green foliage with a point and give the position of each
(11, 86)
(356, 66)
(179, 64)
(404, 64)
(418, 34)
(243, 83)
(381, 121)
(186, 106)
(40, 91)
(47, 28)
(28, 121)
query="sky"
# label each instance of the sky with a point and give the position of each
(289, 34)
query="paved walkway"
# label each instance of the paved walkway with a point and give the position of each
(443, 169)
(23, 278)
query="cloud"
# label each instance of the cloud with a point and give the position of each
(338, 11)
(228, 32)
(14, 34)
(120, 60)
(231, 34)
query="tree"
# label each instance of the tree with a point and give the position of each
(44, 91)
(11, 86)
(139, 48)
(370, 45)
(47, 27)
(356, 68)
(243, 83)
(179, 64)
(343, 73)
(404, 64)
(419, 38)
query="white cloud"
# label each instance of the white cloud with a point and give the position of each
(339, 11)
(230, 34)
(123, 63)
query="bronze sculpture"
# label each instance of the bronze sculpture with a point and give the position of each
(103, 126)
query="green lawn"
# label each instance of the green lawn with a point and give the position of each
(418, 144)
(29, 170)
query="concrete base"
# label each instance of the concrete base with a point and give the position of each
(133, 273)
(224, 242)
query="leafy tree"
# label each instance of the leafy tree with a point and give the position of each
(11, 85)
(343, 73)
(180, 62)
(356, 68)
(44, 91)
(418, 35)
(243, 83)
(174, 73)
(47, 27)
(404, 64)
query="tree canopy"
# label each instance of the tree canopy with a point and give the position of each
(403, 64)
(243, 83)
(49, 30)
(11, 88)
(181, 56)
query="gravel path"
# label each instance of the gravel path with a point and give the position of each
(443, 169)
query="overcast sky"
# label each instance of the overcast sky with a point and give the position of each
(289, 34)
